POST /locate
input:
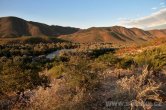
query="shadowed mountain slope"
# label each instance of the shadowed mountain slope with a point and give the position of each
(13, 27)
(17, 27)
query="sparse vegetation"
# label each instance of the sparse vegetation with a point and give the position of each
(155, 58)
(86, 77)
(142, 90)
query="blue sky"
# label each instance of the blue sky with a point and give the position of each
(81, 13)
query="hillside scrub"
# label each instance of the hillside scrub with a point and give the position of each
(16, 76)
(142, 90)
(74, 79)
(74, 90)
(155, 58)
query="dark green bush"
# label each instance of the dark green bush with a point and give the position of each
(109, 59)
(18, 74)
(125, 63)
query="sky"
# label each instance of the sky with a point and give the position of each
(88, 13)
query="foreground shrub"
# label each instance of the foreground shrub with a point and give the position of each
(155, 58)
(15, 76)
(109, 59)
(141, 89)
(74, 90)
(125, 62)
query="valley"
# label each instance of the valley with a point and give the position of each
(62, 68)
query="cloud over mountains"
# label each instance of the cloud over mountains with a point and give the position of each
(155, 19)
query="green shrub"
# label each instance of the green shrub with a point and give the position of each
(109, 59)
(125, 63)
(56, 71)
(16, 75)
(155, 58)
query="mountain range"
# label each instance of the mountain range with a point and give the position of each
(12, 27)
(115, 34)
(17, 27)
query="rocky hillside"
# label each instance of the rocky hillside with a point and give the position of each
(13, 27)
(17, 27)
(115, 34)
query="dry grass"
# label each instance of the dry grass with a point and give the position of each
(58, 97)
(141, 89)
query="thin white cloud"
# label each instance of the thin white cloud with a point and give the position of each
(155, 19)
(162, 3)
(154, 8)
(120, 19)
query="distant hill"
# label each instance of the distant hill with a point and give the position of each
(158, 33)
(115, 34)
(13, 27)
(163, 26)
(17, 27)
